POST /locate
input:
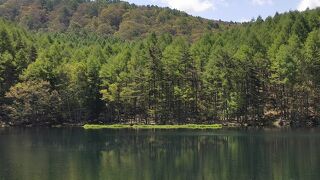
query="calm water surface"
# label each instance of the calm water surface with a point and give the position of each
(76, 154)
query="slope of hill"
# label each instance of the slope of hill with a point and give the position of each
(118, 18)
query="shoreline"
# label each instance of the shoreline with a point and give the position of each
(88, 126)
(126, 126)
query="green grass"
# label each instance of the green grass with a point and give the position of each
(124, 126)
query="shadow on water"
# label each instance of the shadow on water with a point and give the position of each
(76, 154)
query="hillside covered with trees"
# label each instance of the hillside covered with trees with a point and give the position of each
(89, 69)
(104, 17)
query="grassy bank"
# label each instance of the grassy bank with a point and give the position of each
(124, 126)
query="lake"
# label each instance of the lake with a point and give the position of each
(78, 154)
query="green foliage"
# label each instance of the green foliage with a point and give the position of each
(33, 102)
(16, 52)
(250, 73)
(311, 63)
(118, 18)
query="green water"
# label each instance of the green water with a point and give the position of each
(76, 154)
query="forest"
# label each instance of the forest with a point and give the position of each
(79, 61)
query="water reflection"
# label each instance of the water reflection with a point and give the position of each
(76, 154)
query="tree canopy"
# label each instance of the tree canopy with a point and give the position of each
(105, 17)
(114, 62)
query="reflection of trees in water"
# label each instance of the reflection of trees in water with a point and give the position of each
(210, 157)
(126, 154)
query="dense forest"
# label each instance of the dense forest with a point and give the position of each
(80, 61)
(104, 17)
